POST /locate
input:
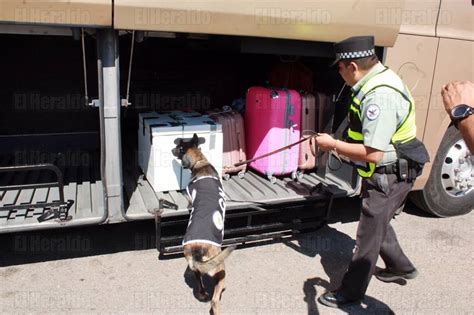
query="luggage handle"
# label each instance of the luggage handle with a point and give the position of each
(292, 125)
(312, 147)
(240, 147)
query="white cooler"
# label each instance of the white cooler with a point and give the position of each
(158, 135)
(142, 117)
(212, 148)
(144, 120)
(163, 170)
(179, 114)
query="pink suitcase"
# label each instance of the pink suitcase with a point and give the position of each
(234, 142)
(308, 149)
(272, 120)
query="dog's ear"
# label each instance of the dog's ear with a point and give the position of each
(195, 140)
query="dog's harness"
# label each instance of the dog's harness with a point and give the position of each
(206, 221)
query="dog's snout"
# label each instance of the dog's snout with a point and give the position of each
(174, 151)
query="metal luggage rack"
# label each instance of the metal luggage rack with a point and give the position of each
(252, 224)
(56, 209)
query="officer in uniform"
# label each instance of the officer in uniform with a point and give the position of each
(381, 142)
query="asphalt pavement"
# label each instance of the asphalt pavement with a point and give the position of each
(114, 269)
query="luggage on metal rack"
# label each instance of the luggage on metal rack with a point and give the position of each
(325, 108)
(211, 139)
(317, 114)
(234, 142)
(158, 134)
(162, 170)
(325, 112)
(308, 148)
(273, 120)
(291, 74)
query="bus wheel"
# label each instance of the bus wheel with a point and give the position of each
(449, 190)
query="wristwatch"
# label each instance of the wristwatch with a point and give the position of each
(460, 112)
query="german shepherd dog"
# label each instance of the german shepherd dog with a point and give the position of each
(204, 257)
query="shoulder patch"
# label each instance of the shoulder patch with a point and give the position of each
(372, 112)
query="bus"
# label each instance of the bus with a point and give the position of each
(76, 74)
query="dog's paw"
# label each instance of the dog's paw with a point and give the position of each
(203, 297)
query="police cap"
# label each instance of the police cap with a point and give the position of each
(354, 48)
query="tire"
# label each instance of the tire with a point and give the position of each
(441, 196)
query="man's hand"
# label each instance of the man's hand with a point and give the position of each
(456, 93)
(325, 142)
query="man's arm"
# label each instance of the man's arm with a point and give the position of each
(379, 122)
(456, 93)
(354, 151)
(466, 126)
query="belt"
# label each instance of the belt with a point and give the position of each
(387, 169)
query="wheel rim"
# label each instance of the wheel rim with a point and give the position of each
(457, 172)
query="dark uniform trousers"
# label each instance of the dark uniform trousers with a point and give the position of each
(382, 195)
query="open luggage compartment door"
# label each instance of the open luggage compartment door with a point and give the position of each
(326, 21)
(51, 144)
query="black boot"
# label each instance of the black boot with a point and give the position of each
(335, 299)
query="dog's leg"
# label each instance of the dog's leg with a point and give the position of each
(218, 288)
(202, 296)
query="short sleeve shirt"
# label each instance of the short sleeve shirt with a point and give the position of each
(382, 111)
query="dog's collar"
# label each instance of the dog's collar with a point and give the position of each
(195, 178)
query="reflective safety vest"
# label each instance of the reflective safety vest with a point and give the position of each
(406, 129)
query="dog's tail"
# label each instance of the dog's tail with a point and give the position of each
(208, 265)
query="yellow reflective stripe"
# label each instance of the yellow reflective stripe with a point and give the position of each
(406, 132)
(355, 109)
(366, 173)
(354, 135)
(408, 140)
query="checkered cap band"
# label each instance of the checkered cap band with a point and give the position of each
(355, 54)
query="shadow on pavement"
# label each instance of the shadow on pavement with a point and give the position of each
(51, 245)
(335, 251)
(412, 209)
(334, 248)
(369, 305)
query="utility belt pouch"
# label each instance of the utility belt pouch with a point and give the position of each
(403, 170)
(415, 156)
